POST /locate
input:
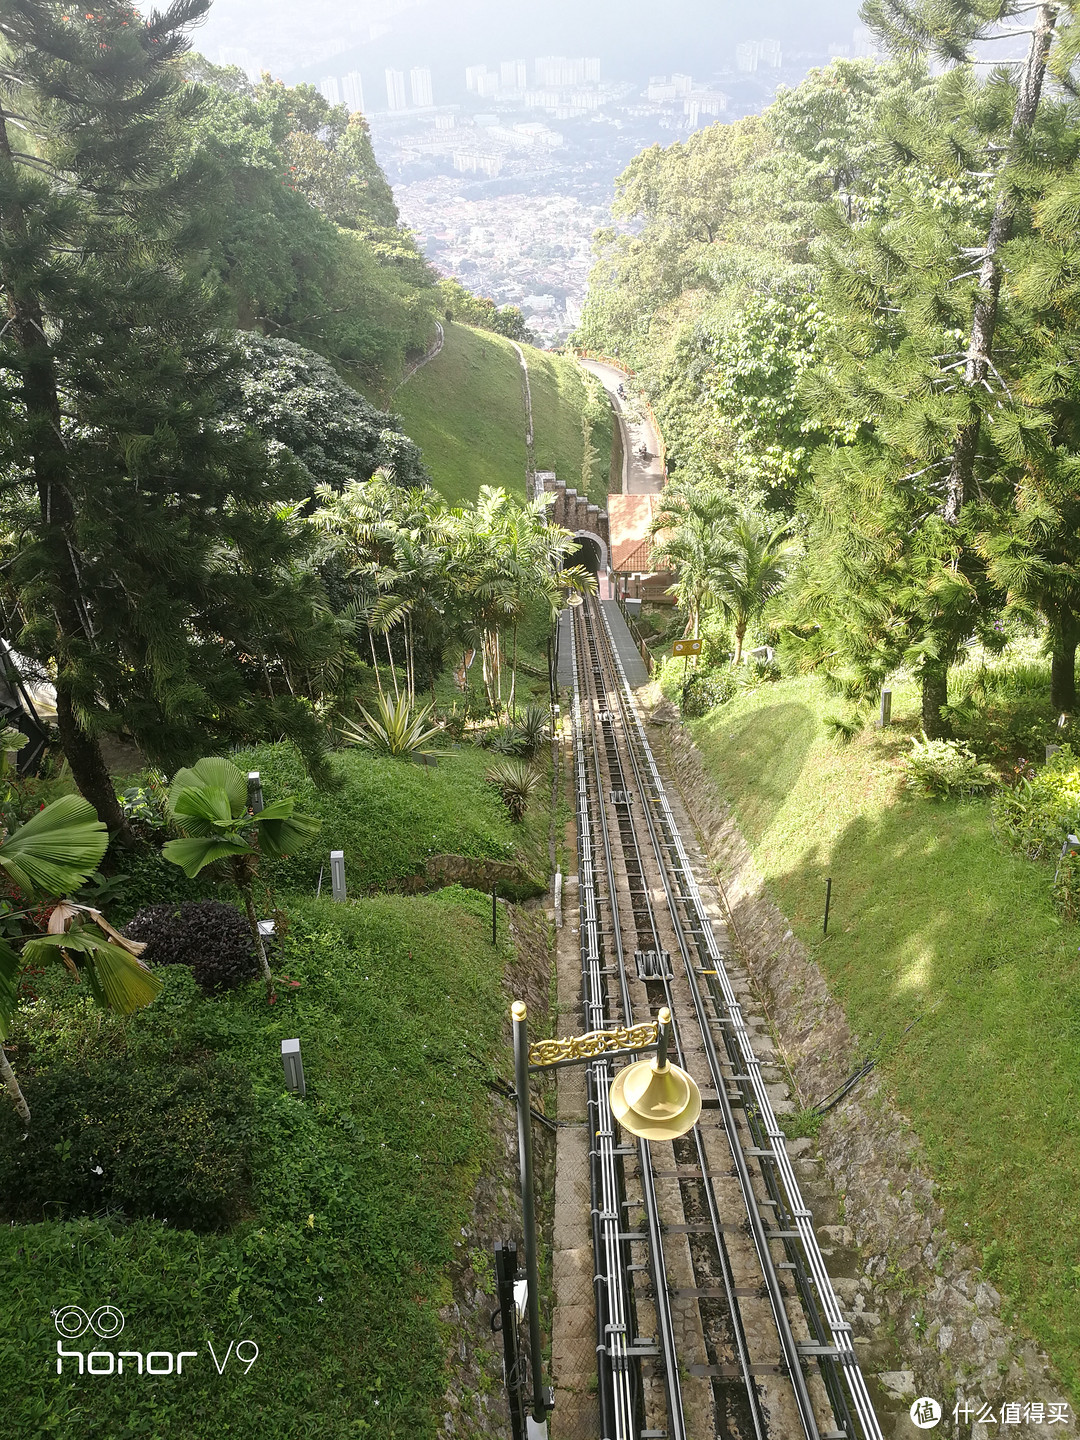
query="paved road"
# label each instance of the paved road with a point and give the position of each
(640, 477)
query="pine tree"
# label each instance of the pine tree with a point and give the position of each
(151, 557)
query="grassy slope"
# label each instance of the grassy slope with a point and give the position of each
(558, 400)
(358, 1192)
(930, 919)
(465, 411)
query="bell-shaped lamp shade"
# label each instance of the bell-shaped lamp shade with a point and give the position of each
(655, 1100)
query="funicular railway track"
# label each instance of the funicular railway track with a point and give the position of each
(715, 1312)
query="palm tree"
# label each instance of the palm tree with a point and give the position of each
(691, 525)
(52, 854)
(757, 566)
(209, 802)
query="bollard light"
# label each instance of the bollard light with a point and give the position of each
(294, 1066)
(255, 795)
(886, 709)
(337, 874)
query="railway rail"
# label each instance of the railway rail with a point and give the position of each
(715, 1314)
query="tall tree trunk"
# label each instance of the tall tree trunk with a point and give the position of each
(40, 395)
(935, 695)
(984, 321)
(740, 636)
(13, 1087)
(1063, 639)
(393, 671)
(88, 766)
(378, 678)
(513, 674)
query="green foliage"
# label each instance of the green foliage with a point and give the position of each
(337, 1266)
(178, 1149)
(296, 401)
(212, 939)
(389, 818)
(930, 918)
(400, 729)
(458, 303)
(1035, 815)
(945, 769)
(704, 689)
(57, 849)
(209, 804)
(517, 782)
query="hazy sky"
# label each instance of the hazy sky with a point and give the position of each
(634, 38)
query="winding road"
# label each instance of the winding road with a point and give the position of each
(640, 477)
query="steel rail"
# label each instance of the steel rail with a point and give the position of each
(751, 1067)
(661, 1299)
(615, 767)
(615, 1388)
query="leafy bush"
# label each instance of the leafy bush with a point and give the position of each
(939, 769)
(704, 689)
(517, 782)
(1034, 816)
(174, 1143)
(212, 939)
(504, 740)
(758, 672)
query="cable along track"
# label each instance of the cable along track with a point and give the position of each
(715, 1313)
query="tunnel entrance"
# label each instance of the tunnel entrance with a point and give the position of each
(587, 553)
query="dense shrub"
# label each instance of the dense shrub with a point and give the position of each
(1034, 816)
(213, 939)
(704, 689)
(939, 769)
(758, 672)
(172, 1142)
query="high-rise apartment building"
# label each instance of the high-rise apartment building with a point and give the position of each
(352, 91)
(683, 84)
(420, 82)
(395, 90)
(328, 89)
(563, 71)
(252, 65)
(513, 74)
(770, 53)
(747, 56)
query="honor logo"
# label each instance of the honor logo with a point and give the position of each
(107, 1323)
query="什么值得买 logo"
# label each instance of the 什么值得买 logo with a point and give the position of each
(107, 1322)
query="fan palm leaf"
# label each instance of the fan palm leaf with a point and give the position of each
(58, 849)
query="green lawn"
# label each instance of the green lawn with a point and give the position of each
(465, 411)
(931, 920)
(560, 401)
(349, 1202)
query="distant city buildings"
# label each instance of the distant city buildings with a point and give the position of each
(395, 90)
(328, 89)
(420, 83)
(696, 100)
(513, 75)
(562, 71)
(753, 53)
(352, 91)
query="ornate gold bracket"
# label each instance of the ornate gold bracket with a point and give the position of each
(574, 1049)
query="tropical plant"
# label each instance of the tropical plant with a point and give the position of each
(940, 769)
(55, 852)
(690, 526)
(209, 805)
(517, 782)
(399, 729)
(212, 939)
(533, 727)
(760, 557)
(1035, 815)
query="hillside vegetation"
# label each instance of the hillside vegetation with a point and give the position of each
(322, 1229)
(932, 922)
(465, 411)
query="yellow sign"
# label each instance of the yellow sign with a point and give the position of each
(686, 647)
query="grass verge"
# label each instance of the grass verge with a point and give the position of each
(931, 920)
